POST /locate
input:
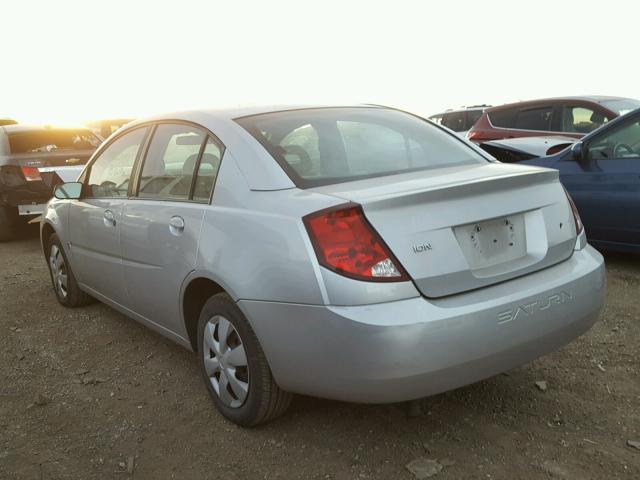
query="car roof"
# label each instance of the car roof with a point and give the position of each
(587, 98)
(461, 109)
(233, 113)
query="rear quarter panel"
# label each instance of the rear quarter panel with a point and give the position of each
(254, 244)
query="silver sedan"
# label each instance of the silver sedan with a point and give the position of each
(356, 253)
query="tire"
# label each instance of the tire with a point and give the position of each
(70, 294)
(8, 223)
(264, 400)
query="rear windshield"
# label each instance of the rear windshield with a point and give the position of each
(622, 106)
(332, 145)
(48, 140)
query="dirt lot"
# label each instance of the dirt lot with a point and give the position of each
(88, 394)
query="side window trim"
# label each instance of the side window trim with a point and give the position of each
(137, 173)
(86, 174)
(223, 150)
(196, 167)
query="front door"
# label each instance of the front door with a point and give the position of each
(95, 220)
(161, 222)
(606, 185)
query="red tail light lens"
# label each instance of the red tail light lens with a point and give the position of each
(576, 215)
(472, 135)
(346, 243)
(31, 174)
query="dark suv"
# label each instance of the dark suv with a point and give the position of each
(569, 116)
(33, 160)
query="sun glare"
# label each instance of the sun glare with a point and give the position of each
(72, 64)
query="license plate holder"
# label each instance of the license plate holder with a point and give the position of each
(492, 242)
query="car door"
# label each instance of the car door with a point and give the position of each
(606, 184)
(161, 222)
(95, 219)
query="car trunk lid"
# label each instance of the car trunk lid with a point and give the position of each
(461, 228)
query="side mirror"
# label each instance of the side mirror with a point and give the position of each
(577, 151)
(66, 191)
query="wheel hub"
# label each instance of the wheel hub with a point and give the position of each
(225, 361)
(58, 272)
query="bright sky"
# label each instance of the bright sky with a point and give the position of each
(70, 61)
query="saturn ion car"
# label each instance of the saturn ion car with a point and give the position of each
(354, 253)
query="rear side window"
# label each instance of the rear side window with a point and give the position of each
(581, 119)
(110, 173)
(49, 140)
(172, 161)
(538, 118)
(332, 145)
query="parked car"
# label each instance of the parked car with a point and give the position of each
(7, 121)
(354, 253)
(104, 128)
(602, 174)
(459, 120)
(568, 116)
(33, 159)
(512, 150)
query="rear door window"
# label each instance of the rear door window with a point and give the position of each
(182, 163)
(537, 118)
(170, 162)
(504, 118)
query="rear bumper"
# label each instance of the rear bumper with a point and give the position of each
(408, 349)
(31, 209)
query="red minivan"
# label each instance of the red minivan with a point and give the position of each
(569, 116)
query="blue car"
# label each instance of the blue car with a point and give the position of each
(602, 174)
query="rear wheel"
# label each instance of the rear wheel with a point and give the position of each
(8, 223)
(234, 367)
(64, 282)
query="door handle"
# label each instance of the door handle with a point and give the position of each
(176, 225)
(109, 218)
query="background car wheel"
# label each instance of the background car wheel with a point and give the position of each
(234, 367)
(64, 282)
(8, 223)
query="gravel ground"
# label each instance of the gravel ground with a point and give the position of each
(87, 393)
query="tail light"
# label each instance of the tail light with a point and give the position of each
(576, 215)
(473, 134)
(31, 174)
(346, 243)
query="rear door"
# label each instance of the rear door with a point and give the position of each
(161, 222)
(606, 184)
(95, 219)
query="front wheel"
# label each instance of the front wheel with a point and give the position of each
(64, 282)
(234, 367)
